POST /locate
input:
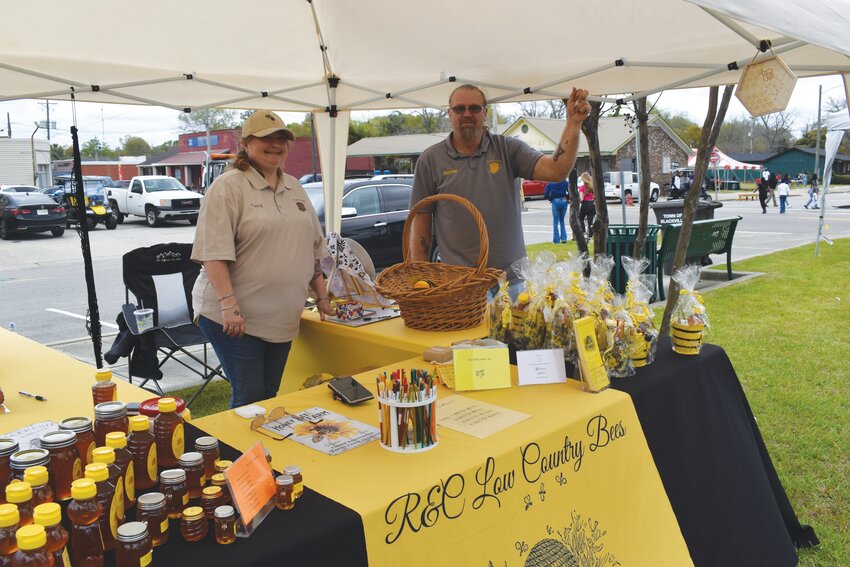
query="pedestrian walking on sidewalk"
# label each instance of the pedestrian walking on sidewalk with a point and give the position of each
(813, 193)
(762, 189)
(783, 191)
(557, 194)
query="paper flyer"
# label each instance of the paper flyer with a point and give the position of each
(324, 430)
(475, 418)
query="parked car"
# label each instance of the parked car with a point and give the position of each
(310, 178)
(373, 214)
(632, 187)
(532, 188)
(18, 189)
(30, 212)
(156, 198)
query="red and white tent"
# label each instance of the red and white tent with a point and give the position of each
(719, 160)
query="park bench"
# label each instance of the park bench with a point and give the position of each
(746, 196)
(712, 236)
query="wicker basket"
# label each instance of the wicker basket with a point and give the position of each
(458, 296)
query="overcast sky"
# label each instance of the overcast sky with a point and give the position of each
(111, 122)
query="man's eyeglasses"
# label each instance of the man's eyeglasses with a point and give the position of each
(472, 108)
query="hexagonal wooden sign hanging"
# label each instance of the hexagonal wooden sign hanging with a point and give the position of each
(766, 86)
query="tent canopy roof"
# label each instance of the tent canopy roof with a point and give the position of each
(279, 54)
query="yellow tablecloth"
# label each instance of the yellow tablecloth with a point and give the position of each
(338, 349)
(64, 381)
(574, 481)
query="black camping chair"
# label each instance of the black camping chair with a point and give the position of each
(161, 278)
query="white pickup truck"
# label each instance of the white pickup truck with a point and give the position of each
(157, 198)
(613, 179)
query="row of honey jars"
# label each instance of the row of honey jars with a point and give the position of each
(48, 519)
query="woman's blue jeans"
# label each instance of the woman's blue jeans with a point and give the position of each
(253, 366)
(559, 211)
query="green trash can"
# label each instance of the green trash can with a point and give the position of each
(621, 241)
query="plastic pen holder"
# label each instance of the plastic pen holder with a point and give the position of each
(408, 427)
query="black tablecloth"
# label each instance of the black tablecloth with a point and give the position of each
(722, 485)
(316, 532)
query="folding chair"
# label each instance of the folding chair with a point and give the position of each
(161, 278)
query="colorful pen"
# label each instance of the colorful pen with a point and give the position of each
(36, 396)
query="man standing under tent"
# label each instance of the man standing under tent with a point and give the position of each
(481, 166)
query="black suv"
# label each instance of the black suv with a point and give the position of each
(373, 214)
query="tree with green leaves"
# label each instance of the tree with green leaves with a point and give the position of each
(134, 146)
(94, 148)
(163, 147)
(209, 119)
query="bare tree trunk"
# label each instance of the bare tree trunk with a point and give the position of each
(575, 205)
(643, 140)
(590, 127)
(710, 130)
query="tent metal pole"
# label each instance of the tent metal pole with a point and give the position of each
(41, 76)
(744, 34)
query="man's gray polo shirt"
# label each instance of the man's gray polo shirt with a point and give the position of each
(486, 178)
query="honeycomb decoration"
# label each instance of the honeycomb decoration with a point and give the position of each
(550, 553)
(766, 86)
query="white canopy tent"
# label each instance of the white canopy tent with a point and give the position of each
(330, 57)
(837, 124)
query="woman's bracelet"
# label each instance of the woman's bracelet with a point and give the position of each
(226, 296)
(229, 308)
(318, 299)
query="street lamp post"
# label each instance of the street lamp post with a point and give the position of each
(32, 148)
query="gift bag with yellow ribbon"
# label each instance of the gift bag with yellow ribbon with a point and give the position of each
(639, 289)
(689, 322)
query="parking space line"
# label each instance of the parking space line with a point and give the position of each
(76, 316)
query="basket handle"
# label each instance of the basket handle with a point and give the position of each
(484, 251)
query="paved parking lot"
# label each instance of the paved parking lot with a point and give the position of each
(42, 285)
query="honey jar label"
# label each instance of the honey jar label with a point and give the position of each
(185, 498)
(163, 526)
(146, 559)
(177, 441)
(130, 482)
(66, 561)
(89, 451)
(203, 479)
(152, 463)
(77, 469)
(119, 497)
(113, 514)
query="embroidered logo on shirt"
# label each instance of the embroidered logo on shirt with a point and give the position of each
(300, 206)
(494, 166)
(449, 171)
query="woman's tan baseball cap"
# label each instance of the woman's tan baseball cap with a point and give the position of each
(264, 122)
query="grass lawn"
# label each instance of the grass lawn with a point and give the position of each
(787, 336)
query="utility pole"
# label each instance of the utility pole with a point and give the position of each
(9, 124)
(47, 104)
(817, 138)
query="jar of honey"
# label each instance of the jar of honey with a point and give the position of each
(297, 480)
(83, 514)
(211, 499)
(221, 465)
(225, 525)
(37, 478)
(208, 447)
(9, 520)
(193, 465)
(32, 550)
(172, 483)
(117, 441)
(133, 548)
(109, 416)
(108, 501)
(151, 509)
(66, 466)
(284, 498)
(20, 494)
(104, 389)
(82, 426)
(106, 456)
(168, 431)
(194, 526)
(50, 516)
(22, 460)
(142, 446)
(219, 481)
(8, 447)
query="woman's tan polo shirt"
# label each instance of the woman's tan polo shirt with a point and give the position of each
(270, 239)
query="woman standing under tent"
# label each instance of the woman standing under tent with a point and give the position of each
(260, 244)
